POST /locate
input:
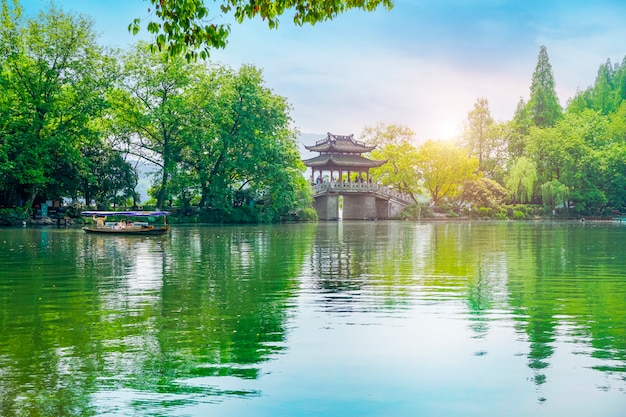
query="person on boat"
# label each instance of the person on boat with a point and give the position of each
(99, 220)
(116, 226)
(122, 225)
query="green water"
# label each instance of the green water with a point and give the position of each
(333, 319)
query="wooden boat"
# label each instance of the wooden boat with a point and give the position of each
(126, 226)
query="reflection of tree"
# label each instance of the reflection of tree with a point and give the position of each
(468, 261)
(568, 275)
(155, 315)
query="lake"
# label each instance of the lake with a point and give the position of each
(329, 319)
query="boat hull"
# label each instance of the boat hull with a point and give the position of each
(140, 231)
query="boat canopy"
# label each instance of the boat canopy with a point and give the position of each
(126, 213)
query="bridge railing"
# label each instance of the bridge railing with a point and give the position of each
(361, 187)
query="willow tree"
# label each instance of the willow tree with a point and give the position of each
(189, 26)
(553, 194)
(520, 182)
(544, 106)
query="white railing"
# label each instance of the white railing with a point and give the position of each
(361, 187)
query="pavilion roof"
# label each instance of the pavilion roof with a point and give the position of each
(341, 161)
(340, 144)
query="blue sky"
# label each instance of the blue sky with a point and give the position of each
(422, 65)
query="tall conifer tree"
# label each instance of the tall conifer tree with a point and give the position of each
(544, 105)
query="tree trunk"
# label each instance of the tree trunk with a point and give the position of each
(31, 199)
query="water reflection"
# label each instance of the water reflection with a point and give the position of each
(101, 325)
(86, 313)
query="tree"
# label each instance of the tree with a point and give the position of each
(244, 148)
(219, 137)
(521, 180)
(553, 194)
(400, 172)
(476, 131)
(54, 77)
(444, 168)
(387, 134)
(150, 112)
(186, 26)
(544, 106)
(483, 192)
(394, 144)
(518, 129)
(111, 180)
(486, 139)
(606, 94)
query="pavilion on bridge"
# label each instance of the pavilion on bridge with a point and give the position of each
(340, 155)
(342, 185)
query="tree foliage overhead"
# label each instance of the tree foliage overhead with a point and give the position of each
(189, 26)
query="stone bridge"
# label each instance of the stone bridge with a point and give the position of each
(358, 200)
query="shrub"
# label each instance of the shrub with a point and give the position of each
(307, 214)
(11, 216)
(485, 212)
(414, 212)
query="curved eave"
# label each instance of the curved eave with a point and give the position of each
(342, 161)
(340, 148)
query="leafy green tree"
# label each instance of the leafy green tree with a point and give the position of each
(150, 112)
(521, 179)
(244, 144)
(394, 144)
(544, 106)
(400, 172)
(603, 97)
(569, 152)
(483, 192)
(111, 180)
(553, 194)
(518, 129)
(219, 137)
(444, 168)
(54, 80)
(606, 94)
(383, 134)
(486, 139)
(185, 26)
(476, 130)
(609, 166)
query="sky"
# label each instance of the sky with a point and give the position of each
(422, 65)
